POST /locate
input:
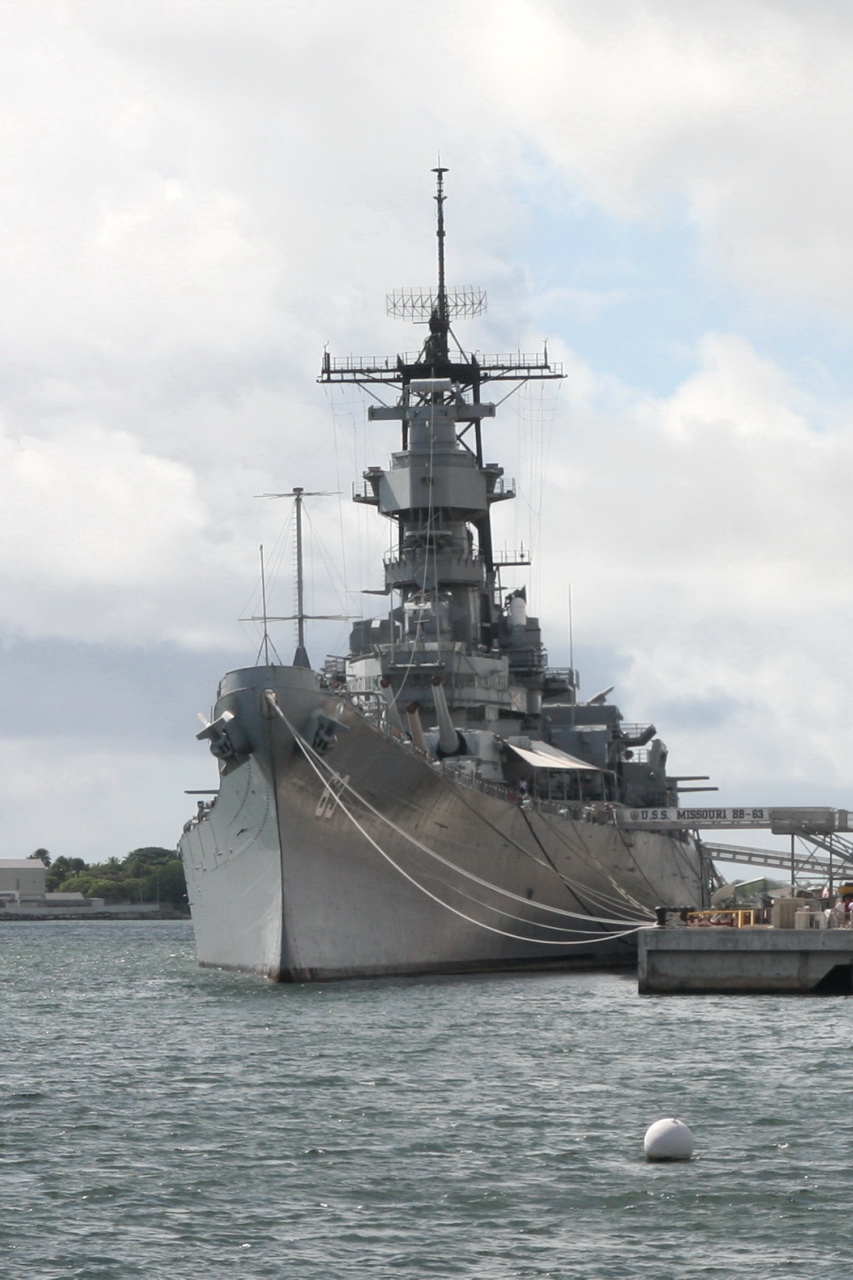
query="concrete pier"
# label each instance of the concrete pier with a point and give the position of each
(675, 961)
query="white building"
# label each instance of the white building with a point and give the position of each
(22, 878)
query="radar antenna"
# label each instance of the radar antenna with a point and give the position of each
(437, 307)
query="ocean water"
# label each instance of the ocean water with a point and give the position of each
(163, 1122)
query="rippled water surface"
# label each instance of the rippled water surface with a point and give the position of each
(163, 1121)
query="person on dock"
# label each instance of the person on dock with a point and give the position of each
(841, 911)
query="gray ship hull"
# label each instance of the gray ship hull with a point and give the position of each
(371, 859)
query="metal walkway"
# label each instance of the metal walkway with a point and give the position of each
(821, 840)
(831, 861)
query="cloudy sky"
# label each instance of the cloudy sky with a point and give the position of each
(199, 195)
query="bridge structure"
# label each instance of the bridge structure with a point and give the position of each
(821, 838)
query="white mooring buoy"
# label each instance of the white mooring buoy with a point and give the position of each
(668, 1140)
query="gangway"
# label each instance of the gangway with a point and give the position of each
(825, 833)
(829, 864)
(781, 821)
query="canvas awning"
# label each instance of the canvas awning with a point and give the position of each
(541, 755)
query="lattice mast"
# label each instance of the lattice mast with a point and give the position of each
(431, 492)
(437, 308)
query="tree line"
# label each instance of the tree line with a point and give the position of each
(145, 875)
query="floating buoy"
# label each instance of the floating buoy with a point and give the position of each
(668, 1140)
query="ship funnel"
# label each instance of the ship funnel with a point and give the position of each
(517, 610)
(450, 740)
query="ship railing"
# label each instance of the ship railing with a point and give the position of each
(526, 665)
(392, 560)
(372, 706)
(567, 674)
(581, 811)
(511, 366)
(335, 668)
(500, 790)
(505, 557)
(639, 755)
(349, 364)
(426, 653)
(521, 360)
(503, 362)
(364, 492)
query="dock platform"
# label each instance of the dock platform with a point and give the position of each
(749, 961)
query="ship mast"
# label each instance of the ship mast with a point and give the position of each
(301, 657)
(300, 617)
(439, 491)
(437, 307)
(439, 320)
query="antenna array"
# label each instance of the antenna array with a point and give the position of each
(419, 304)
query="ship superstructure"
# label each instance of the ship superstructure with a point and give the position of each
(454, 648)
(443, 799)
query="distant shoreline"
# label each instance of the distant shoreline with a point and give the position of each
(30, 917)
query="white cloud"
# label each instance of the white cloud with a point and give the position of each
(197, 197)
(736, 110)
(62, 807)
(127, 512)
(103, 541)
(709, 537)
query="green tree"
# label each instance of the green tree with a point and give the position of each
(42, 855)
(167, 884)
(150, 874)
(78, 882)
(60, 869)
(147, 859)
(110, 889)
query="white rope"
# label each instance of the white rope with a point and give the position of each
(574, 886)
(315, 761)
(486, 884)
(587, 852)
(553, 928)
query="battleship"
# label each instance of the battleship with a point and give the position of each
(440, 800)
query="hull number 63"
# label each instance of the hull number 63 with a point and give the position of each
(327, 803)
